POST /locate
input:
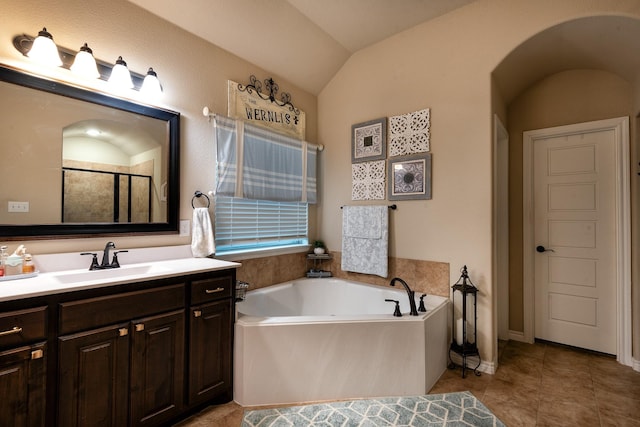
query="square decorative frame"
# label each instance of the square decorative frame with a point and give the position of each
(367, 180)
(410, 177)
(369, 140)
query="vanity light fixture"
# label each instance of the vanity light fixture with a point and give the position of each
(151, 85)
(29, 46)
(120, 76)
(44, 50)
(85, 64)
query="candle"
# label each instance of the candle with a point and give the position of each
(459, 331)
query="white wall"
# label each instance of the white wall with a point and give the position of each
(193, 73)
(445, 65)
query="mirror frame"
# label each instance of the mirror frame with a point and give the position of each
(53, 231)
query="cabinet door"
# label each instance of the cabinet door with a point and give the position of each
(92, 377)
(22, 386)
(210, 351)
(157, 368)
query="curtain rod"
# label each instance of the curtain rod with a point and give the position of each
(206, 111)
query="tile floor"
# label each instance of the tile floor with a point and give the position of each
(538, 384)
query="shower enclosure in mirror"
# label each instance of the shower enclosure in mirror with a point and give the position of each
(83, 162)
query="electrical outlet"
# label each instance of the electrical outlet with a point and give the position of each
(21, 207)
(185, 227)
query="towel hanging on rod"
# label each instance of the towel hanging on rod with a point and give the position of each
(365, 239)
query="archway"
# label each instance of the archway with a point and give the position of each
(599, 48)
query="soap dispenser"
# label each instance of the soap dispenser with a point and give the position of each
(28, 265)
(3, 258)
(14, 261)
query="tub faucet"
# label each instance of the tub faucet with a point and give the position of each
(410, 293)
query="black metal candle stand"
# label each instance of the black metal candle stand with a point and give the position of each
(467, 349)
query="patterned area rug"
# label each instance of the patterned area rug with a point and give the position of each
(450, 409)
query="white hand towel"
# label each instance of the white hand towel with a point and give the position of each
(202, 243)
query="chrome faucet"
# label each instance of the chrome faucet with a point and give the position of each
(410, 293)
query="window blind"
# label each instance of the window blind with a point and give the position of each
(246, 224)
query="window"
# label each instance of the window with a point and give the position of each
(244, 224)
(264, 182)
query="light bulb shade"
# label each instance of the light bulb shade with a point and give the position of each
(151, 85)
(44, 50)
(85, 64)
(120, 76)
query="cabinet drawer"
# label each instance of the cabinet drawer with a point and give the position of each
(23, 326)
(95, 312)
(211, 289)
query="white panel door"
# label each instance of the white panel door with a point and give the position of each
(575, 222)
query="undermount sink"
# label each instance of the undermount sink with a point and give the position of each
(106, 274)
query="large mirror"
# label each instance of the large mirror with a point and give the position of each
(75, 162)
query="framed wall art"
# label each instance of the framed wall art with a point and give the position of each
(409, 133)
(369, 140)
(367, 180)
(410, 177)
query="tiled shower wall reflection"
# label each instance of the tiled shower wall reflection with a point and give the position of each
(427, 277)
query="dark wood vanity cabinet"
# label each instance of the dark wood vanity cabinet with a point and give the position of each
(23, 366)
(22, 386)
(157, 369)
(143, 354)
(123, 363)
(93, 372)
(211, 329)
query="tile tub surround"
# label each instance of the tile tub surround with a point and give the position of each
(535, 385)
(428, 277)
(271, 270)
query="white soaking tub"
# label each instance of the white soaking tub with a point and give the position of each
(328, 339)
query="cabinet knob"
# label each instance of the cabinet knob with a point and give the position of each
(197, 313)
(123, 332)
(140, 327)
(37, 354)
(213, 291)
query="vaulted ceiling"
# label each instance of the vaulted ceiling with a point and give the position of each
(304, 41)
(308, 41)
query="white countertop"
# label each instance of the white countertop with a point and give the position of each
(50, 281)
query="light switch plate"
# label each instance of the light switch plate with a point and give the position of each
(22, 207)
(185, 227)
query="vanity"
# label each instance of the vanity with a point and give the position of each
(143, 345)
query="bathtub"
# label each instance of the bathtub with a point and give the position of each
(330, 339)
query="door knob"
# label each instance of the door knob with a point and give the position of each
(542, 249)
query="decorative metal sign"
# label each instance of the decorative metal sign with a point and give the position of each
(250, 104)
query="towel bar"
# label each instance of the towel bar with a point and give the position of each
(392, 207)
(199, 194)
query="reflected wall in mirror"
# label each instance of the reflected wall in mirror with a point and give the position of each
(85, 162)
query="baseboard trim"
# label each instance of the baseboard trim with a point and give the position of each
(517, 336)
(485, 367)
